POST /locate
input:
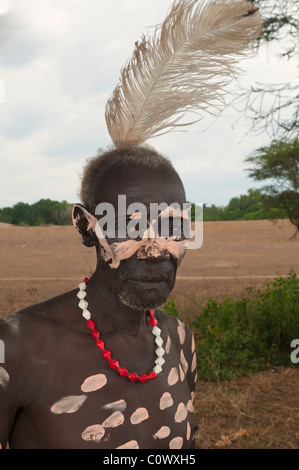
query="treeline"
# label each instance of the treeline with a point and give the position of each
(43, 212)
(248, 206)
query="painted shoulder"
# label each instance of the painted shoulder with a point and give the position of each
(183, 338)
(176, 327)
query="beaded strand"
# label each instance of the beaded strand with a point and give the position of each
(106, 353)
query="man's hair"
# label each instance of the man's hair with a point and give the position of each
(97, 167)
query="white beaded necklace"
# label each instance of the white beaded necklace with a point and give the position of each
(106, 353)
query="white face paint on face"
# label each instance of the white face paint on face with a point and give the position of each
(130, 282)
(148, 246)
(137, 259)
(4, 377)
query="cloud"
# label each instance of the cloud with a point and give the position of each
(5, 6)
(60, 61)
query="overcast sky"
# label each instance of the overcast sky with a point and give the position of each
(59, 63)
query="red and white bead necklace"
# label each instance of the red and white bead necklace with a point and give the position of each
(106, 353)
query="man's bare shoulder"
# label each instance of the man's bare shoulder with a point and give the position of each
(181, 337)
(176, 328)
(33, 321)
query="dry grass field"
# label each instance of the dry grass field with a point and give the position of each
(257, 411)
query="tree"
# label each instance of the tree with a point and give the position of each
(240, 207)
(279, 163)
(248, 206)
(42, 212)
(274, 108)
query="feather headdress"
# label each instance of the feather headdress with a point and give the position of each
(183, 66)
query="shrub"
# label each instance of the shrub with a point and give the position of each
(246, 335)
(170, 308)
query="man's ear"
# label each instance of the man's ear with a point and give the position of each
(85, 223)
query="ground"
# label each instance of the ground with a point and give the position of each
(257, 411)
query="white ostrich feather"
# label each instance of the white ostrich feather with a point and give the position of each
(183, 67)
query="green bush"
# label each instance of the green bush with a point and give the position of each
(170, 308)
(246, 335)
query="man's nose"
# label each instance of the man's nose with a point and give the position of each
(153, 253)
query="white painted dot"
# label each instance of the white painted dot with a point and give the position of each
(139, 415)
(163, 432)
(94, 382)
(181, 413)
(129, 445)
(192, 344)
(13, 323)
(166, 401)
(93, 433)
(190, 406)
(4, 377)
(193, 365)
(188, 434)
(173, 376)
(181, 331)
(176, 443)
(184, 362)
(167, 345)
(69, 404)
(182, 375)
(115, 420)
(119, 405)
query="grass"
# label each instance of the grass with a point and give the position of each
(256, 411)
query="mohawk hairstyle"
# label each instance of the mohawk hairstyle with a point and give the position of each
(97, 167)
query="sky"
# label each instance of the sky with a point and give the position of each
(59, 63)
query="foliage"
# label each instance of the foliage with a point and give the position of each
(280, 24)
(42, 212)
(273, 107)
(242, 336)
(250, 206)
(45, 211)
(279, 163)
(169, 308)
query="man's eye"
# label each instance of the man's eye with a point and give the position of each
(172, 227)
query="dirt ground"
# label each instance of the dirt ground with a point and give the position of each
(258, 411)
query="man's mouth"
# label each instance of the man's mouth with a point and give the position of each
(148, 279)
(148, 284)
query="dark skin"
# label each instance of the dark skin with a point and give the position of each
(49, 353)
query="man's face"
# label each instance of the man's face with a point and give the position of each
(144, 269)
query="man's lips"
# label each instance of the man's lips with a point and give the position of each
(149, 277)
(149, 284)
(148, 280)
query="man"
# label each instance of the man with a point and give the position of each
(102, 367)
(123, 375)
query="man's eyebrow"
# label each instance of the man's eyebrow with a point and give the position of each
(172, 212)
(135, 215)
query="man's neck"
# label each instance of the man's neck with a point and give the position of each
(109, 313)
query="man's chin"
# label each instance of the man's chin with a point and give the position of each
(150, 300)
